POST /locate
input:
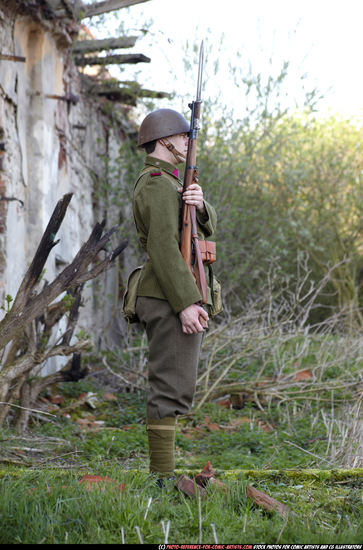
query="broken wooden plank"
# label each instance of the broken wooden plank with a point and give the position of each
(189, 487)
(267, 502)
(112, 59)
(107, 5)
(86, 46)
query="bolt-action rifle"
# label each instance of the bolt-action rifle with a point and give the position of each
(189, 242)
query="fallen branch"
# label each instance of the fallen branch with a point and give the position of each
(27, 409)
(306, 451)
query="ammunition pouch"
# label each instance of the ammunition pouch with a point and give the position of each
(208, 251)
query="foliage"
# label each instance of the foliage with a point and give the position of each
(284, 185)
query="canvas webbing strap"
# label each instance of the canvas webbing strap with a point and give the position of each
(160, 427)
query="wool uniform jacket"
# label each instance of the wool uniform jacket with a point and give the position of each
(156, 207)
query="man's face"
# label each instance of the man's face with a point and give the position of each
(180, 142)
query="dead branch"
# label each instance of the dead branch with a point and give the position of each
(28, 306)
(30, 410)
(26, 329)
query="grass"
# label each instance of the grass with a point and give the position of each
(43, 506)
(300, 444)
(42, 501)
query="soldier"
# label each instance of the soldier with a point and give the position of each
(168, 300)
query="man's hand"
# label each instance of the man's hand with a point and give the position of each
(194, 195)
(193, 319)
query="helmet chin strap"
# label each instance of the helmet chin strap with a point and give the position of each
(177, 154)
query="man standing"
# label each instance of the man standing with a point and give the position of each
(168, 299)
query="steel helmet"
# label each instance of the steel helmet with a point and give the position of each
(162, 123)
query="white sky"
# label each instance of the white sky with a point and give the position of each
(322, 38)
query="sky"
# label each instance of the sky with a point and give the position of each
(321, 39)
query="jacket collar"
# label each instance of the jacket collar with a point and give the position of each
(162, 165)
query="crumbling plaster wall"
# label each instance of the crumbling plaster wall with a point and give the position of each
(52, 147)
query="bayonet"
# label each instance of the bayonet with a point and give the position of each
(200, 72)
(196, 104)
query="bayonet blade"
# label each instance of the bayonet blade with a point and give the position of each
(200, 72)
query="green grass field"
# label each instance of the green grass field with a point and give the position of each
(284, 453)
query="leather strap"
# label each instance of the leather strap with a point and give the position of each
(177, 154)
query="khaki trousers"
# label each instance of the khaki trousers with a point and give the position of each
(173, 359)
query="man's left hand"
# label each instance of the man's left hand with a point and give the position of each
(194, 196)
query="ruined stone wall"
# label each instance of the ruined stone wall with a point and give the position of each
(49, 146)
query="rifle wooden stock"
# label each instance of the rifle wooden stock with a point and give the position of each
(189, 245)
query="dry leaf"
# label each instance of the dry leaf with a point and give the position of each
(265, 426)
(212, 427)
(110, 397)
(224, 403)
(205, 475)
(304, 374)
(57, 399)
(205, 478)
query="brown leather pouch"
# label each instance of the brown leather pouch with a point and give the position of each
(208, 251)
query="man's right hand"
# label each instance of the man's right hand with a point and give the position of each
(193, 319)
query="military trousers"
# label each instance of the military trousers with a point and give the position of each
(173, 359)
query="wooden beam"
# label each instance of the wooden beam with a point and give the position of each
(112, 59)
(86, 46)
(12, 57)
(107, 5)
(128, 94)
